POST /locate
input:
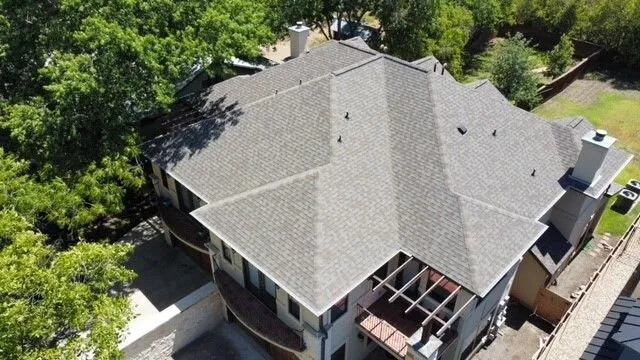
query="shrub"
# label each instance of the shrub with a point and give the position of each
(560, 57)
(511, 72)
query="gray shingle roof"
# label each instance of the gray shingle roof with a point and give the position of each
(617, 338)
(319, 215)
(551, 249)
(487, 88)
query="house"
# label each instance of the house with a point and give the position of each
(617, 338)
(347, 200)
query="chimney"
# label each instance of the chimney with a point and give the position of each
(298, 36)
(595, 146)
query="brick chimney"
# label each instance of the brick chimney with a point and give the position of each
(595, 146)
(298, 34)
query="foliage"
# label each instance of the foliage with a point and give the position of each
(75, 76)
(487, 15)
(614, 24)
(449, 35)
(560, 56)
(511, 72)
(59, 305)
(318, 14)
(405, 24)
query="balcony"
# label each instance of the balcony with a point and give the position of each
(256, 316)
(184, 227)
(388, 324)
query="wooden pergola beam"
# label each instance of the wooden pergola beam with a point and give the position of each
(415, 303)
(408, 299)
(454, 317)
(442, 305)
(407, 285)
(393, 273)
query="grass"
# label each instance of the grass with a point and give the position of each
(620, 116)
(479, 65)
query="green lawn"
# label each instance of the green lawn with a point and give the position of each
(620, 116)
(479, 65)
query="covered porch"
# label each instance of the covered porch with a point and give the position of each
(256, 316)
(400, 321)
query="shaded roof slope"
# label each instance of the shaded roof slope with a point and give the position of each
(318, 200)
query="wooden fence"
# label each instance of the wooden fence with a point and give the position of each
(544, 40)
(617, 250)
(551, 306)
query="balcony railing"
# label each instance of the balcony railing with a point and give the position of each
(184, 227)
(256, 316)
(382, 331)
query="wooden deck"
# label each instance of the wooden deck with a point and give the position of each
(388, 324)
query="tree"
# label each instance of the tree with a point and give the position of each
(60, 305)
(560, 56)
(449, 35)
(511, 72)
(487, 15)
(77, 74)
(318, 14)
(404, 24)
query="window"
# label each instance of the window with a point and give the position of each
(226, 253)
(380, 273)
(339, 308)
(163, 177)
(294, 308)
(339, 354)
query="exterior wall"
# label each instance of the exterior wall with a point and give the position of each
(177, 326)
(168, 192)
(572, 214)
(473, 321)
(530, 278)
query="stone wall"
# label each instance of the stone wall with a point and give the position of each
(177, 326)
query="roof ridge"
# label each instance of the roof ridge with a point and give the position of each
(356, 65)
(259, 189)
(345, 43)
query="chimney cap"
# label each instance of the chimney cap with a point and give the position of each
(298, 24)
(600, 135)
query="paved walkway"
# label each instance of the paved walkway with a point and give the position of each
(225, 342)
(577, 332)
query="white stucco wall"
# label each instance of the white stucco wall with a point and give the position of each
(573, 212)
(176, 326)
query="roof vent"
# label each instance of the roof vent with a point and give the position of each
(435, 65)
(443, 66)
(533, 173)
(494, 132)
(462, 130)
(340, 138)
(346, 116)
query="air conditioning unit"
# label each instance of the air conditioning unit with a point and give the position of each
(627, 200)
(634, 185)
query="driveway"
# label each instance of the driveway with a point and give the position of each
(225, 342)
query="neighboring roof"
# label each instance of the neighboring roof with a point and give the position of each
(617, 337)
(487, 88)
(551, 249)
(350, 29)
(318, 200)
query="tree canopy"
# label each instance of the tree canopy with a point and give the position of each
(75, 77)
(511, 72)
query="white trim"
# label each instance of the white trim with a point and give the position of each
(551, 205)
(393, 273)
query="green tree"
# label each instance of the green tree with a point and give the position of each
(77, 74)
(60, 305)
(404, 24)
(449, 35)
(487, 15)
(511, 72)
(560, 56)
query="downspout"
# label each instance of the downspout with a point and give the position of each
(323, 338)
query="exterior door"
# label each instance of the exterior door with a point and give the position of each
(260, 285)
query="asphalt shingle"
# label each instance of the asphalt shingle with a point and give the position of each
(318, 200)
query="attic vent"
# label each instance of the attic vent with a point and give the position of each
(533, 173)
(494, 132)
(462, 130)
(346, 116)
(443, 67)
(340, 138)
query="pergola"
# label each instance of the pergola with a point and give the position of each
(430, 315)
